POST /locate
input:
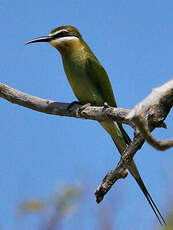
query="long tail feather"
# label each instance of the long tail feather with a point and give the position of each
(121, 139)
(150, 201)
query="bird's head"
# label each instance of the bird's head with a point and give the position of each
(62, 38)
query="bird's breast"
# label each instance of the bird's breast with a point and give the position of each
(80, 82)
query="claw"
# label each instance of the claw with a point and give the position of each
(105, 106)
(71, 105)
(83, 107)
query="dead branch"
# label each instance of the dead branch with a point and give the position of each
(151, 113)
(121, 170)
(144, 117)
(61, 109)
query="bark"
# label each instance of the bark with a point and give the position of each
(144, 118)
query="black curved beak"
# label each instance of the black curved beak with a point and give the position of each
(40, 39)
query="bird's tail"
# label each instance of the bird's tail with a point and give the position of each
(121, 140)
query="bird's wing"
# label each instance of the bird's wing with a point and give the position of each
(98, 77)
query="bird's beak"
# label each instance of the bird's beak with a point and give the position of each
(40, 39)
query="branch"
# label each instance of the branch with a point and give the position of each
(144, 117)
(57, 108)
(151, 113)
(147, 115)
(121, 170)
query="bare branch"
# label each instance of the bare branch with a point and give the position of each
(151, 113)
(144, 130)
(61, 109)
(121, 170)
(144, 117)
(147, 115)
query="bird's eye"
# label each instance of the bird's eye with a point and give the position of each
(63, 33)
(60, 34)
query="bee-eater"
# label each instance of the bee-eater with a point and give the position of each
(90, 84)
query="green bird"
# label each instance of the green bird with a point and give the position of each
(90, 84)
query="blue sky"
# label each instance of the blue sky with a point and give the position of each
(39, 152)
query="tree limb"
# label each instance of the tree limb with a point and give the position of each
(151, 113)
(144, 118)
(121, 169)
(58, 108)
(147, 115)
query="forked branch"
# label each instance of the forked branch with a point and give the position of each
(144, 117)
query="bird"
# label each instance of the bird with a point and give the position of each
(90, 84)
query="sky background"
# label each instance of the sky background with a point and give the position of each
(40, 152)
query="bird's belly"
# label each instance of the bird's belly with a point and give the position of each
(84, 90)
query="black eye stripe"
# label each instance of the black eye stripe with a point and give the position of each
(64, 34)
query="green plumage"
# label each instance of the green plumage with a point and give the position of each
(90, 84)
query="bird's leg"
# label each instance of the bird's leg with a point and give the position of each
(82, 107)
(79, 107)
(106, 106)
(72, 104)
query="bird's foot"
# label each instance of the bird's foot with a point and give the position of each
(79, 107)
(83, 107)
(72, 104)
(106, 106)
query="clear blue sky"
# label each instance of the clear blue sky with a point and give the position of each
(133, 40)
